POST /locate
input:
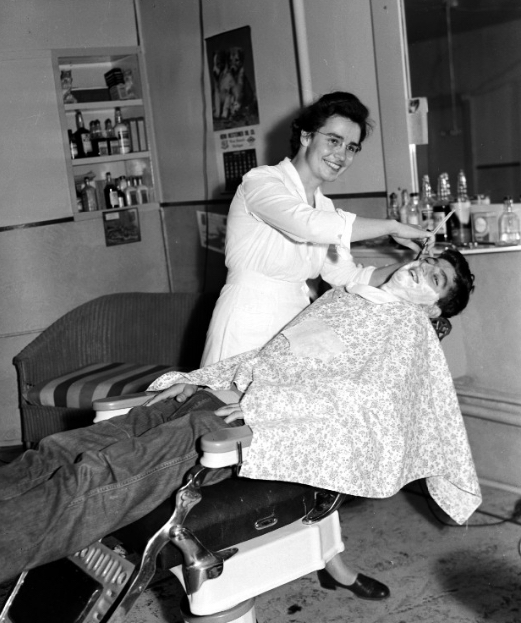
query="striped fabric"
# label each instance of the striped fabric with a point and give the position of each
(100, 380)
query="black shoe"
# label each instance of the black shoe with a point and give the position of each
(363, 587)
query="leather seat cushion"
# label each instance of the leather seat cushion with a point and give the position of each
(231, 512)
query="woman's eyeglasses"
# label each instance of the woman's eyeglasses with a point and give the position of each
(338, 144)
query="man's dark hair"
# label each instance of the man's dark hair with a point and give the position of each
(457, 299)
(313, 117)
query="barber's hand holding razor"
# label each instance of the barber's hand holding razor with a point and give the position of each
(179, 391)
(413, 237)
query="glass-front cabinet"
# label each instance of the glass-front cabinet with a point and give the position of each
(107, 129)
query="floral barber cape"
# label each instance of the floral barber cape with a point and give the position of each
(355, 397)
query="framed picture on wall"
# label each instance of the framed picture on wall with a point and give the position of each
(121, 226)
(232, 75)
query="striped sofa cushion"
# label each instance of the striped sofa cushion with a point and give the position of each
(100, 380)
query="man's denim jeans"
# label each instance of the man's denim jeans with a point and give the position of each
(81, 485)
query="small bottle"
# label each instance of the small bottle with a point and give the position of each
(392, 207)
(72, 145)
(413, 209)
(121, 184)
(131, 193)
(112, 141)
(460, 230)
(82, 136)
(89, 198)
(122, 133)
(442, 207)
(111, 193)
(509, 229)
(426, 204)
(142, 191)
(403, 206)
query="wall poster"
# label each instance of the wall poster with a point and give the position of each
(121, 226)
(212, 230)
(235, 112)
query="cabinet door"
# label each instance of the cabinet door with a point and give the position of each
(32, 154)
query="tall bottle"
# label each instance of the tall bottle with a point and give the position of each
(442, 207)
(122, 133)
(89, 198)
(72, 145)
(392, 207)
(460, 230)
(82, 136)
(508, 224)
(403, 205)
(426, 204)
(413, 209)
(111, 193)
(121, 184)
(142, 191)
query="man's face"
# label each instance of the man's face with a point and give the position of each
(423, 282)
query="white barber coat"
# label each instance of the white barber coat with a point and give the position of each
(275, 241)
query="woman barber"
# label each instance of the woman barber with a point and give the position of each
(281, 230)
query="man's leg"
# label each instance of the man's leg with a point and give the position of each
(104, 488)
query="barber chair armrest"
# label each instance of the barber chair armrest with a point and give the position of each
(225, 447)
(107, 408)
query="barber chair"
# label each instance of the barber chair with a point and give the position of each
(226, 543)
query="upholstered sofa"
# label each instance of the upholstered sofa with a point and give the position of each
(113, 345)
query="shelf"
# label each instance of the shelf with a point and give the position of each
(133, 155)
(103, 105)
(142, 207)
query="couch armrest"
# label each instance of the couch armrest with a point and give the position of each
(221, 449)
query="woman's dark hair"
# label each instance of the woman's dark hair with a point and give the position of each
(458, 297)
(313, 117)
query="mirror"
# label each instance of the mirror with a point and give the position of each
(465, 57)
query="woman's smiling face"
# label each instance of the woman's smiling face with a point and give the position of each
(328, 152)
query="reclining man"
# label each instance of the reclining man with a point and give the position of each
(354, 395)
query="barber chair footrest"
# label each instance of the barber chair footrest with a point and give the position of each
(266, 562)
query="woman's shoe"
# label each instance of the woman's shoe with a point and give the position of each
(363, 587)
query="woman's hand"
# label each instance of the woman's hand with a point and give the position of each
(230, 412)
(179, 391)
(411, 235)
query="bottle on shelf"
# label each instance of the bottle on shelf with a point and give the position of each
(392, 207)
(121, 184)
(82, 136)
(89, 198)
(403, 206)
(460, 230)
(508, 225)
(442, 207)
(142, 191)
(112, 141)
(413, 209)
(122, 133)
(426, 204)
(72, 145)
(111, 193)
(131, 193)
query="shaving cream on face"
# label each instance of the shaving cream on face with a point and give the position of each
(410, 284)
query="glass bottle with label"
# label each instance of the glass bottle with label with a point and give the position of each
(508, 225)
(122, 133)
(121, 184)
(82, 136)
(413, 210)
(89, 198)
(426, 204)
(460, 229)
(442, 207)
(111, 193)
(142, 191)
(131, 193)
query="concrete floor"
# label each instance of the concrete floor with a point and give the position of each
(437, 573)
